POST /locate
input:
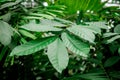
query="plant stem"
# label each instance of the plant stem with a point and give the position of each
(105, 71)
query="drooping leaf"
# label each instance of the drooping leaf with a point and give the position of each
(32, 46)
(83, 32)
(117, 29)
(111, 61)
(57, 54)
(76, 45)
(5, 33)
(109, 34)
(45, 25)
(113, 38)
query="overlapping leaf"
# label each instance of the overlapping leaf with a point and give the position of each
(9, 4)
(5, 33)
(111, 61)
(58, 55)
(76, 45)
(88, 76)
(45, 25)
(83, 32)
(32, 46)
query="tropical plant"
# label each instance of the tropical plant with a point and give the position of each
(55, 42)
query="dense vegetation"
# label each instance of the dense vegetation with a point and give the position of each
(59, 39)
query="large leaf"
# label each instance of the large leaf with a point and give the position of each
(83, 32)
(32, 46)
(76, 45)
(5, 33)
(111, 61)
(57, 54)
(45, 25)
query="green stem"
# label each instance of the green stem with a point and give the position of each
(3, 52)
(105, 71)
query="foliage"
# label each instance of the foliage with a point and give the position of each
(55, 42)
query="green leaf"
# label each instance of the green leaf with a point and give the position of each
(5, 33)
(117, 29)
(45, 25)
(113, 39)
(6, 17)
(32, 46)
(94, 76)
(83, 32)
(42, 15)
(3, 51)
(76, 45)
(111, 61)
(115, 74)
(119, 50)
(100, 25)
(88, 76)
(58, 56)
(109, 34)
(82, 5)
(27, 34)
(95, 30)
(9, 4)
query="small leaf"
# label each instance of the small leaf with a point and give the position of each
(32, 46)
(83, 32)
(5, 33)
(58, 56)
(111, 61)
(76, 45)
(44, 26)
(27, 34)
(117, 29)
